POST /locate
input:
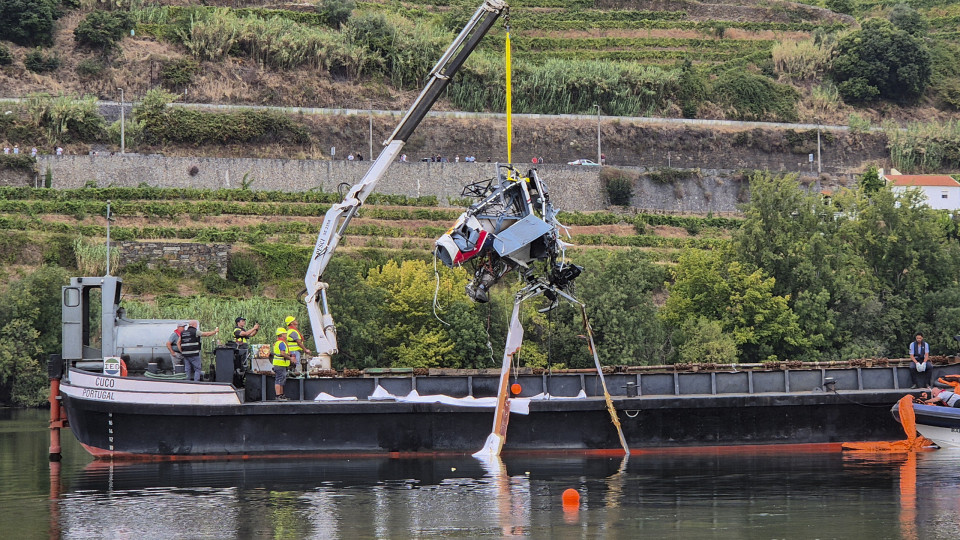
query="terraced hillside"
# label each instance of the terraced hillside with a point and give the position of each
(656, 57)
(41, 225)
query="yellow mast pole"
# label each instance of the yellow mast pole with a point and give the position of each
(509, 101)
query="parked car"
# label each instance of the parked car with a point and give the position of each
(582, 162)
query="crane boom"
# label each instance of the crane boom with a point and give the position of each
(339, 215)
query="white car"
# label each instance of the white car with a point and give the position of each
(582, 162)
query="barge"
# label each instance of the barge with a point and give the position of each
(389, 413)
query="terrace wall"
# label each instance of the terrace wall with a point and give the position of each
(572, 188)
(188, 257)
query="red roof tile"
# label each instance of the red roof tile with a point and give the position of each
(907, 180)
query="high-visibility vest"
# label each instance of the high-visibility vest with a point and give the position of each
(292, 337)
(278, 359)
(237, 335)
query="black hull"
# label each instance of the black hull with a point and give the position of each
(377, 428)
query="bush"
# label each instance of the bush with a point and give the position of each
(67, 118)
(215, 284)
(179, 72)
(747, 96)
(244, 269)
(881, 61)
(909, 20)
(619, 190)
(36, 62)
(103, 29)
(6, 57)
(335, 12)
(90, 67)
(28, 22)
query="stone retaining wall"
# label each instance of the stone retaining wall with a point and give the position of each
(190, 258)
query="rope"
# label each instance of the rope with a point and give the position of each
(841, 396)
(436, 292)
(165, 376)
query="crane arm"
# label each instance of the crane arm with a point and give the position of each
(339, 215)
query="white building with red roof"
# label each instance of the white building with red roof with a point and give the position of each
(942, 191)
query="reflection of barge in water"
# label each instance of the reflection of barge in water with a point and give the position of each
(734, 405)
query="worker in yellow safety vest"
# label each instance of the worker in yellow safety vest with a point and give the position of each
(295, 340)
(281, 358)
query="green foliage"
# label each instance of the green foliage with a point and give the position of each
(66, 118)
(909, 20)
(161, 123)
(692, 89)
(179, 72)
(28, 22)
(6, 57)
(704, 341)
(747, 96)
(244, 269)
(803, 60)
(335, 12)
(880, 61)
(871, 182)
(19, 162)
(28, 310)
(92, 257)
(858, 124)
(103, 29)
(619, 189)
(924, 147)
(741, 301)
(90, 67)
(37, 62)
(841, 6)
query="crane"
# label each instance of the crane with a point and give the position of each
(339, 215)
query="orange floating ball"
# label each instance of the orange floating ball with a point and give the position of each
(571, 497)
(515, 388)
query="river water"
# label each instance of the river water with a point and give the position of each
(699, 494)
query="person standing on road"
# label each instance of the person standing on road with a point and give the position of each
(173, 345)
(919, 364)
(190, 347)
(281, 359)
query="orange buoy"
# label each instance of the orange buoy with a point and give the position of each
(571, 497)
(515, 388)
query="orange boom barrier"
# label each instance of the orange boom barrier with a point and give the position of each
(913, 442)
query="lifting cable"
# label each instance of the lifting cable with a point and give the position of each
(509, 84)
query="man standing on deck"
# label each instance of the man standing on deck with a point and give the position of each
(173, 345)
(241, 334)
(190, 347)
(919, 365)
(281, 360)
(295, 341)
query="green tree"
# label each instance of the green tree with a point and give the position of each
(29, 321)
(705, 341)
(28, 22)
(708, 285)
(881, 61)
(410, 331)
(871, 182)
